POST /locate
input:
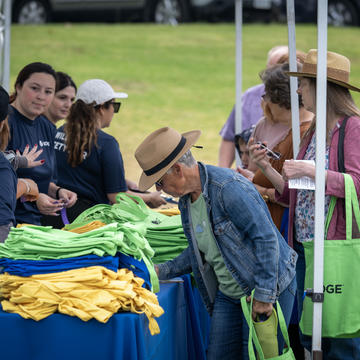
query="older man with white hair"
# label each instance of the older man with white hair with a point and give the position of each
(234, 247)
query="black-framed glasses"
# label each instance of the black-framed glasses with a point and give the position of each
(159, 183)
(116, 106)
(273, 154)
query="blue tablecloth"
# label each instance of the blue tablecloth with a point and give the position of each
(183, 333)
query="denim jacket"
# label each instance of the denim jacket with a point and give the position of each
(253, 250)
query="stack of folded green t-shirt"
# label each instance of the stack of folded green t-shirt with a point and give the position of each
(39, 242)
(167, 238)
(165, 234)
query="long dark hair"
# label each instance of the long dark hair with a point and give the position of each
(27, 71)
(63, 80)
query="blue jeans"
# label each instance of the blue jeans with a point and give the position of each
(229, 331)
(333, 348)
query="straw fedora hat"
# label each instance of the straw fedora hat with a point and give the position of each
(159, 151)
(338, 68)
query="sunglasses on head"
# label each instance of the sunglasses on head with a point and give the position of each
(116, 106)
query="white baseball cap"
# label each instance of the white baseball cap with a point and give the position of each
(97, 91)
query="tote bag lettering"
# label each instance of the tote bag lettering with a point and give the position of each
(341, 313)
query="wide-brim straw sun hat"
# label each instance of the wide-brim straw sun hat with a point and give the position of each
(160, 151)
(338, 68)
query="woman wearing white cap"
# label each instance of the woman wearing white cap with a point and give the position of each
(89, 161)
(341, 111)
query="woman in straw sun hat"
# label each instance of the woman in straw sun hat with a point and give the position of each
(224, 218)
(340, 109)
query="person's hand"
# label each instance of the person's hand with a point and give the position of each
(258, 155)
(31, 191)
(131, 185)
(155, 200)
(246, 173)
(31, 156)
(260, 307)
(293, 170)
(68, 197)
(48, 205)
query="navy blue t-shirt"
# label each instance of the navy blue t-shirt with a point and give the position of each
(8, 181)
(24, 131)
(100, 173)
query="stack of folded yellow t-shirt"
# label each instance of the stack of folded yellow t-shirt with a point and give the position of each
(92, 292)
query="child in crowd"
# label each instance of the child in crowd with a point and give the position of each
(241, 141)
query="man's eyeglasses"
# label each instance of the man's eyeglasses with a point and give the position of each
(273, 154)
(159, 183)
(116, 106)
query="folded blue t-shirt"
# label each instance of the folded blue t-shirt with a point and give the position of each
(33, 267)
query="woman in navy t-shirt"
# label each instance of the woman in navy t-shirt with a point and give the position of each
(65, 91)
(11, 187)
(89, 161)
(34, 91)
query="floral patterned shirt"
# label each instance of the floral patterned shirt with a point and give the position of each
(304, 219)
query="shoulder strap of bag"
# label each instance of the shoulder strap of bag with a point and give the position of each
(354, 210)
(341, 159)
(253, 340)
(351, 207)
(341, 168)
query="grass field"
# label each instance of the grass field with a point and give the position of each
(183, 77)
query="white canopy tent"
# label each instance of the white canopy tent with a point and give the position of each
(5, 22)
(320, 139)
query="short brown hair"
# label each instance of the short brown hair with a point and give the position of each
(277, 85)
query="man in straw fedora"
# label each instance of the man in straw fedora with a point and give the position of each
(341, 113)
(234, 247)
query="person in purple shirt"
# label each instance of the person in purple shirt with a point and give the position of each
(251, 111)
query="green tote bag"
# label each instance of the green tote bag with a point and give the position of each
(264, 337)
(341, 314)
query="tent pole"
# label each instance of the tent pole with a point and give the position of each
(290, 10)
(321, 82)
(5, 24)
(238, 71)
